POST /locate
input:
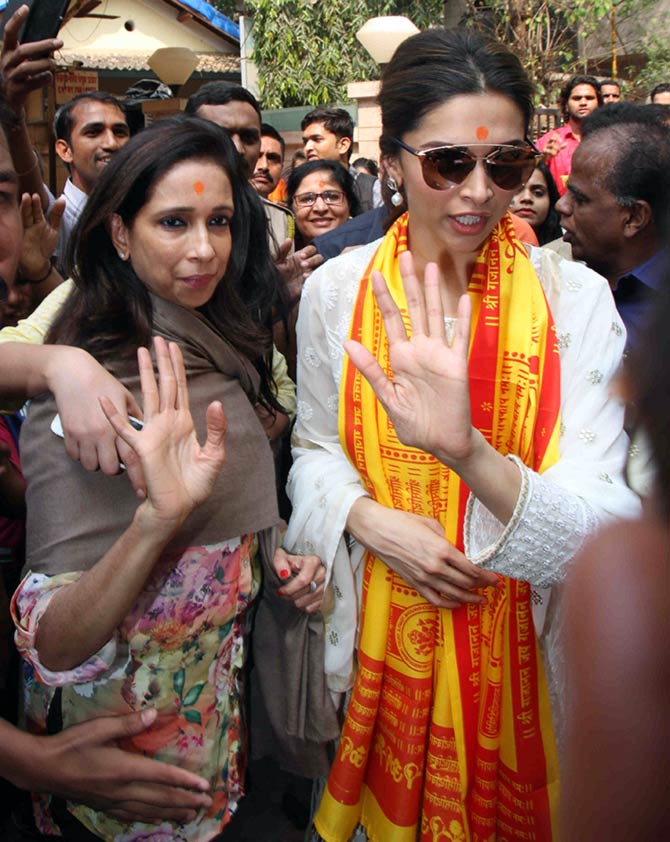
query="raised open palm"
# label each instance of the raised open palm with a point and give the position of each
(179, 472)
(428, 399)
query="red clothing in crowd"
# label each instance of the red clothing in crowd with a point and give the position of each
(561, 164)
(11, 530)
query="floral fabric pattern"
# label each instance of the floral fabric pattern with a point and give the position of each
(180, 650)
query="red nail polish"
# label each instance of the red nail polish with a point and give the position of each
(284, 574)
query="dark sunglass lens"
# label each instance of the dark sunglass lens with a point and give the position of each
(511, 169)
(448, 166)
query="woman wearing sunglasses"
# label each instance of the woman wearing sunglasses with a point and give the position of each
(321, 195)
(445, 498)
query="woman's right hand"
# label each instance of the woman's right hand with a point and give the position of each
(179, 473)
(77, 382)
(415, 548)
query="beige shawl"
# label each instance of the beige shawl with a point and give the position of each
(74, 516)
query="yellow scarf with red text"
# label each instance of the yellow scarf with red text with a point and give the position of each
(448, 730)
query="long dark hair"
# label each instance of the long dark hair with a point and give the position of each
(110, 312)
(431, 67)
(551, 227)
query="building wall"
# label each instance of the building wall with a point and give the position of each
(155, 26)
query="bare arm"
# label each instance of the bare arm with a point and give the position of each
(415, 547)
(40, 238)
(24, 69)
(84, 763)
(77, 381)
(180, 475)
(617, 752)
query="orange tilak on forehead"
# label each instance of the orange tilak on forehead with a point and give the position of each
(482, 132)
(323, 183)
(199, 188)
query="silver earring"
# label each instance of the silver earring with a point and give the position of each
(396, 197)
(122, 255)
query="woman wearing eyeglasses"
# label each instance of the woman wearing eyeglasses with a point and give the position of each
(445, 498)
(321, 195)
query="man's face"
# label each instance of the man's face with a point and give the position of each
(611, 93)
(582, 101)
(593, 221)
(268, 167)
(13, 299)
(243, 124)
(662, 98)
(324, 145)
(99, 130)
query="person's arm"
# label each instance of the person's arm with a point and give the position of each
(295, 267)
(324, 485)
(614, 783)
(179, 474)
(25, 68)
(527, 526)
(428, 399)
(40, 237)
(84, 763)
(275, 425)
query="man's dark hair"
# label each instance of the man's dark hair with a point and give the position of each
(617, 113)
(335, 120)
(64, 121)
(641, 169)
(663, 88)
(269, 131)
(369, 164)
(220, 93)
(572, 83)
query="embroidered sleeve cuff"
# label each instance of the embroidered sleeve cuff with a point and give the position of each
(547, 529)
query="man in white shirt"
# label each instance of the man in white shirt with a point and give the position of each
(89, 130)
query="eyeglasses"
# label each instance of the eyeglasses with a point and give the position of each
(330, 197)
(508, 166)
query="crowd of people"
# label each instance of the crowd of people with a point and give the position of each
(362, 466)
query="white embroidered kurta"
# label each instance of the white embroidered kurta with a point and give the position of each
(554, 513)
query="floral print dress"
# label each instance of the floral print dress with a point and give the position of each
(180, 650)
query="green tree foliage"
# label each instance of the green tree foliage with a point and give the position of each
(306, 50)
(657, 67)
(548, 35)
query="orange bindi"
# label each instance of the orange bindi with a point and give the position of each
(482, 132)
(199, 187)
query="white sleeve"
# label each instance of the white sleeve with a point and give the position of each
(323, 484)
(556, 511)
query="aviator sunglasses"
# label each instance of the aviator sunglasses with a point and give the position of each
(507, 166)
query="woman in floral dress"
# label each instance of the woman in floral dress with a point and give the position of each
(135, 599)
